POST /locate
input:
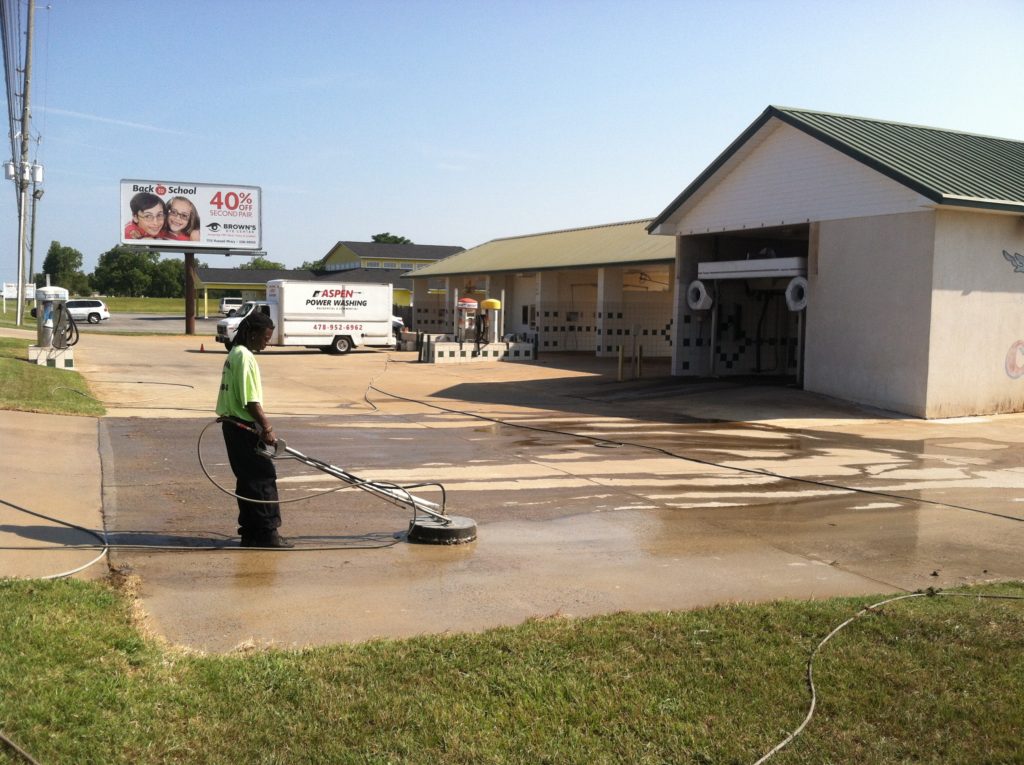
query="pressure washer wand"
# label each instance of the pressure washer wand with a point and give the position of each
(394, 494)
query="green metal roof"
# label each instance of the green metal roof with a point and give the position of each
(608, 245)
(392, 251)
(948, 167)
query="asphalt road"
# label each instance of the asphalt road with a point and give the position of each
(150, 322)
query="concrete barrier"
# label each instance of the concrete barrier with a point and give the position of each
(439, 351)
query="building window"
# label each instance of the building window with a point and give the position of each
(405, 266)
(389, 264)
(341, 266)
(373, 264)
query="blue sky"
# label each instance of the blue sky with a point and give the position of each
(455, 123)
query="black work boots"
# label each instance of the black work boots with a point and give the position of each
(266, 540)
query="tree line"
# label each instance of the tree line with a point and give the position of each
(126, 272)
(129, 272)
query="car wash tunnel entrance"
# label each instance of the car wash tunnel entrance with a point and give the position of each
(746, 295)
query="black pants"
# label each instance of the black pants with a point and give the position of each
(256, 478)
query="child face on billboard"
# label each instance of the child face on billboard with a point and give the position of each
(179, 212)
(151, 220)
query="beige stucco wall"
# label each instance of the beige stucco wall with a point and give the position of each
(975, 365)
(783, 176)
(868, 312)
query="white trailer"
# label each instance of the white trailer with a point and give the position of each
(333, 316)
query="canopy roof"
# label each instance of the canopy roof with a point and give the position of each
(607, 245)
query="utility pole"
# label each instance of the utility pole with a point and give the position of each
(37, 194)
(190, 293)
(24, 171)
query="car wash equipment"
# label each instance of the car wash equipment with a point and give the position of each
(430, 523)
(56, 331)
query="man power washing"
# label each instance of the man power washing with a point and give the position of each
(245, 424)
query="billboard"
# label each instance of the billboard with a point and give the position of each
(10, 291)
(190, 216)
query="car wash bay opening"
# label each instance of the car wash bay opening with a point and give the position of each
(743, 308)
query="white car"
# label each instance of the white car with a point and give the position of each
(92, 311)
(229, 306)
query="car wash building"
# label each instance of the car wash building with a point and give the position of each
(596, 289)
(877, 262)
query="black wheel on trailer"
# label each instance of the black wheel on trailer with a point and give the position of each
(341, 344)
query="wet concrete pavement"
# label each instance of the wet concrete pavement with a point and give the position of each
(49, 484)
(656, 494)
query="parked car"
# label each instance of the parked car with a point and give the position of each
(229, 305)
(93, 311)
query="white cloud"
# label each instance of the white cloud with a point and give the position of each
(111, 121)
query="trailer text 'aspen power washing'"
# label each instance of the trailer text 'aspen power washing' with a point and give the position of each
(331, 316)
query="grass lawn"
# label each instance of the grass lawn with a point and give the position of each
(7, 319)
(29, 387)
(927, 680)
(171, 306)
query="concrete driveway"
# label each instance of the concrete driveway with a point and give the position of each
(591, 496)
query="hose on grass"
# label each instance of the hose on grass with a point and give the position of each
(18, 750)
(866, 610)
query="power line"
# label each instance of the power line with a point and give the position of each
(11, 37)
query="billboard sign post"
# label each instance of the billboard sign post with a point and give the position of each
(190, 217)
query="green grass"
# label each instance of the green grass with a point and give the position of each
(929, 680)
(168, 306)
(8, 319)
(29, 387)
(174, 306)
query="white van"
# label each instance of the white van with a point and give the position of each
(332, 316)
